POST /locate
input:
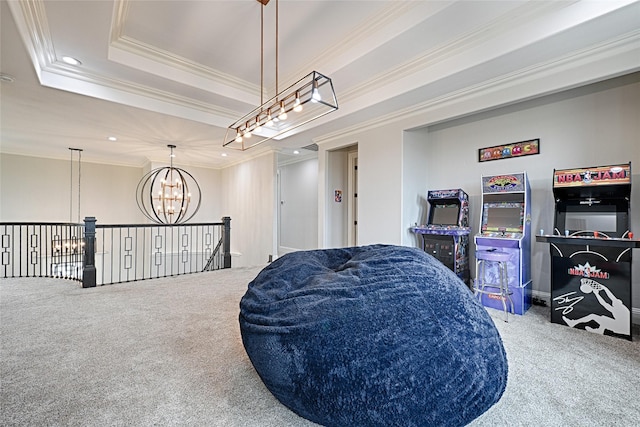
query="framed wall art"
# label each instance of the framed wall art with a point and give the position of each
(507, 151)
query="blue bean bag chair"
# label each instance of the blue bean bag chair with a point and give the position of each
(372, 336)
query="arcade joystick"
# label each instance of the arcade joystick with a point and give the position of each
(595, 234)
(630, 235)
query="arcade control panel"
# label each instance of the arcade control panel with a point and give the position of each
(449, 230)
(502, 234)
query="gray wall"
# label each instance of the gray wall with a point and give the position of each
(298, 205)
(398, 162)
(594, 125)
(249, 198)
(38, 189)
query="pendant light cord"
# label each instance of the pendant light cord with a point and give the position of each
(79, 164)
(71, 185)
(71, 182)
(277, 91)
(262, 55)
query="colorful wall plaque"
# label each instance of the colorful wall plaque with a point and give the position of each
(516, 149)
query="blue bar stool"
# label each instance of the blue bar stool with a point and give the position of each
(493, 286)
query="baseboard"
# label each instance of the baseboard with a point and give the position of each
(546, 297)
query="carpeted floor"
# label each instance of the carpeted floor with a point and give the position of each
(167, 352)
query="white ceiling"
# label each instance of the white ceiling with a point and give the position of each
(179, 72)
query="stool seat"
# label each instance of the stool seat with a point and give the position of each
(485, 285)
(490, 255)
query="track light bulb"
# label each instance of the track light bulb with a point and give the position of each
(258, 127)
(297, 106)
(283, 113)
(315, 94)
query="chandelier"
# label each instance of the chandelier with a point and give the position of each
(164, 194)
(308, 99)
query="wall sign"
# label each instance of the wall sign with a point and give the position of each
(598, 175)
(516, 149)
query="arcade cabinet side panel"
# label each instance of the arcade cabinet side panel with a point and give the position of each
(591, 294)
(527, 237)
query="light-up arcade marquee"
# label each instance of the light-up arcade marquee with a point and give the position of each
(446, 235)
(505, 225)
(591, 249)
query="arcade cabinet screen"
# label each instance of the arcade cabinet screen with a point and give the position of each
(445, 214)
(503, 216)
(601, 219)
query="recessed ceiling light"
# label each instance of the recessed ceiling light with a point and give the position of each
(112, 138)
(71, 61)
(224, 154)
(296, 152)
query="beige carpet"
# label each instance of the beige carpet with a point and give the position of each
(167, 352)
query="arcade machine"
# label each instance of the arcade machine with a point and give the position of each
(591, 249)
(446, 235)
(505, 225)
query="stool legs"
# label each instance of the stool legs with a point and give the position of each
(499, 289)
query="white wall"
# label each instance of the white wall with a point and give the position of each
(249, 198)
(298, 204)
(337, 178)
(593, 125)
(211, 206)
(415, 154)
(35, 189)
(379, 186)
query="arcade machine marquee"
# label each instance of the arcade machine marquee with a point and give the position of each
(505, 225)
(591, 249)
(446, 235)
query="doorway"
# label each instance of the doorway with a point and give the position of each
(352, 206)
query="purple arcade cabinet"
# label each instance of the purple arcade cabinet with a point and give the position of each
(446, 235)
(505, 226)
(591, 249)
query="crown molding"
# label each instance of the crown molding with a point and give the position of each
(161, 59)
(256, 152)
(61, 76)
(151, 59)
(293, 159)
(371, 34)
(469, 42)
(627, 45)
(31, 19)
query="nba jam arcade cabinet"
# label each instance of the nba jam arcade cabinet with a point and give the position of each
(591, 249)
(446, 235)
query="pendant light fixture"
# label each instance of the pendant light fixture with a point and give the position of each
(168, 195)
(308, 99)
